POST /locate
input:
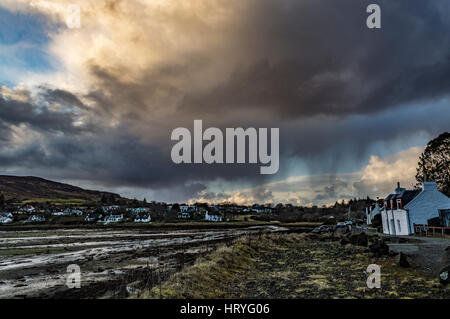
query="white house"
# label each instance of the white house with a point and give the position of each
(263, 210)
(372, 211)
(213, 216)
(110, 209)
(7, 215)
(184, 215)
(113, 219)
(5, 220)
(142, 218)
(92, 217)
(72, 212)
(408, 207)
(35, 219)
(188, 209)
(29, 209)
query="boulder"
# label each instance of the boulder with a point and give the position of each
(134, 288)
(444, 273)
(401, 260)
(379, 249)
(358, 239)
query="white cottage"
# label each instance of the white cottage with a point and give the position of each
(143, 218)
(213, 216)
(372, 211)
(113, 219)
(408, 207)
(5, 220)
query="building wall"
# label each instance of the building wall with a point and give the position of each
(395, 222)
(426, 205)
(384, 220)
(400, 217)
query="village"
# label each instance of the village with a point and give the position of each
(139, 212)
(404, 212)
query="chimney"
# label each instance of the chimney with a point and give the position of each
(429, 186)
(398, 184)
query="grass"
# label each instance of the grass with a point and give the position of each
(294, 266)
(57, 201)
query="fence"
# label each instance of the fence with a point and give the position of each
(421, 229)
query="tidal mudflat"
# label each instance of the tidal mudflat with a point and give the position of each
(33, 264)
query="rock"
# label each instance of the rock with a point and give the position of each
(358, 239)
(402, 261)
(134, 288)
(444, 273)
(379, 249)
(344, 241)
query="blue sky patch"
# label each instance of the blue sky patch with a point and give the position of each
(23, 40)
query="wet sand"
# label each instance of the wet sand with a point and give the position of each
(33, 264)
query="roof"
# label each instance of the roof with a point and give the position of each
(405, 195)
(409, 195)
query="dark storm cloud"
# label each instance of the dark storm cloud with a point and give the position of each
(307, 57)
(310, 67)
(62, 97)
(39, 117)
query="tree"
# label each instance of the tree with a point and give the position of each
(434, 163)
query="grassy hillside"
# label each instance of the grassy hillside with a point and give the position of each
(31, 188)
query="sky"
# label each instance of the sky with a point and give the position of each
(95, 105)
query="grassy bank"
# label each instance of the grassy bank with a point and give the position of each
(294, 266)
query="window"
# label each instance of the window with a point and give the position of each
(399, 203)
(399, 227)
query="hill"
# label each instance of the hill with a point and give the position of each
(30, 187)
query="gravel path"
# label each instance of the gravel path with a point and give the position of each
(424, 251)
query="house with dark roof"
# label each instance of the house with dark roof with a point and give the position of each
(406, 208)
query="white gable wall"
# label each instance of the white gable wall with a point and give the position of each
(400, 218)
(384, 221)
(426, 205)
